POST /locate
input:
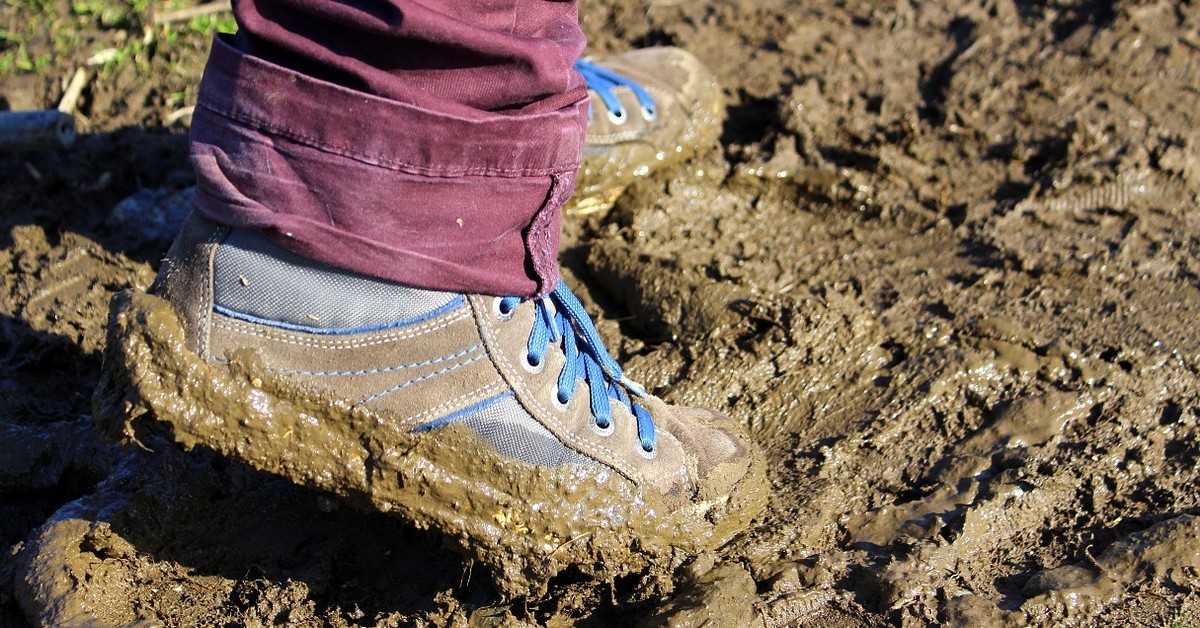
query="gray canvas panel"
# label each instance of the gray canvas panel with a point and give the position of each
(255, 276)
(514, 433)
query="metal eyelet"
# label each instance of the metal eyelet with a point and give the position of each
(650, 114)
(618, 117)
(498, 310)
(605, 431)
(648, 455)
(531, 368)
(559, 404)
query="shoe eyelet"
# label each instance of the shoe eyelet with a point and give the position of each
(650, 114)
(618, 117)
(530, 367)
(498, 310)
(606, 430)
(648, 455)
(559, 404)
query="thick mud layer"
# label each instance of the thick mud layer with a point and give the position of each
(524, 522)
(943, 267)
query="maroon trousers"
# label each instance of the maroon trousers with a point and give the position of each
(430, 142)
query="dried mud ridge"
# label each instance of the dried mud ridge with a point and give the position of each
(944, 266)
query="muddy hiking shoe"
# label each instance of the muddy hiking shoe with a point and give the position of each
(650, 109)
(501, 422)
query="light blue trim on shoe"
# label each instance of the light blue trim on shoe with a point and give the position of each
(465, 412)
(454, 303)
(403, 385)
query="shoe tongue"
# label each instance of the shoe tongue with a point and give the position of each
(255, 277)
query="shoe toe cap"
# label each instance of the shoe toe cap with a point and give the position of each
(720, 455)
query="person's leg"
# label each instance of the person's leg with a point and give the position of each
(437, 142)
(309, 321)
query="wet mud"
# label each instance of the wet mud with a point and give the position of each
(941, 263)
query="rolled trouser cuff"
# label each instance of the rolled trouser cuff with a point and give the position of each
(467, 201)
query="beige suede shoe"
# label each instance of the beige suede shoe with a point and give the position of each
(651, 108)
(501, 422)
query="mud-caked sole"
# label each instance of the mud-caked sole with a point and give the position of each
(525, 522)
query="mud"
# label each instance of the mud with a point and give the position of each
(942, 265)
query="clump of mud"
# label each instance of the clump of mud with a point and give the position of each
(944, 268)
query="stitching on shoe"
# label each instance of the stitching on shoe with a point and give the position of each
(376, 371)
(203, 320)
(422, 378)
(324, 342)
(358, 330)
(437, 410)
(541, 411)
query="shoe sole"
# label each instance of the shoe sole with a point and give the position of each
(525, 522)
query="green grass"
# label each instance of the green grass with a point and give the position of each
(35, 34)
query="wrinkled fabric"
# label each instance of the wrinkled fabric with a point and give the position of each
(432, 144)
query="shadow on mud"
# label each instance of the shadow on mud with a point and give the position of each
(281, 550)
(75, 189)
(212, 537)
(203, 540)
(49, 453)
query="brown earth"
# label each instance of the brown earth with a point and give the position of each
(943, 266)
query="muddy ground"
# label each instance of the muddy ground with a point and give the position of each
(944, 265)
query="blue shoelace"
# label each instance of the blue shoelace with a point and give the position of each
(603, 82)
(566, 322)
